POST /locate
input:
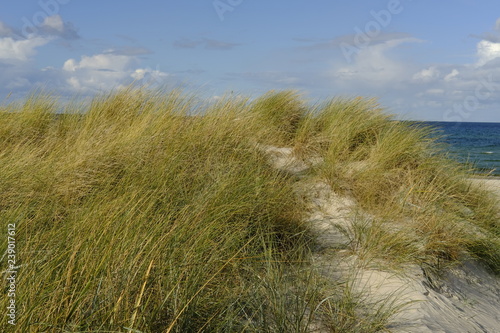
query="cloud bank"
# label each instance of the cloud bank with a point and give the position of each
(112, 68)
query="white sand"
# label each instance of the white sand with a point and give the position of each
(465, 299)
(491, 184)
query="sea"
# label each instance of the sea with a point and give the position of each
(477, 144)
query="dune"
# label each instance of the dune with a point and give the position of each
(465, 298)
(362, 225)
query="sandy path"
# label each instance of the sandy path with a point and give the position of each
(491, 184)
(465, 299)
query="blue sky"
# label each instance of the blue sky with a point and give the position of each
(424, 60)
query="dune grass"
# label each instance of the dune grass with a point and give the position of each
(423, 207)
(134, 215)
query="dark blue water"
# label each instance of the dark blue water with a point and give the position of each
(476, 143)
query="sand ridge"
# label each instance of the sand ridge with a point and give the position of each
(464, 299)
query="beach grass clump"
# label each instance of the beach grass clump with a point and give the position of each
(27, 121)
(399, 171)
(281, 112)
(134, 215)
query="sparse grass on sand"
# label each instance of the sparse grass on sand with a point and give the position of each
(134, 215)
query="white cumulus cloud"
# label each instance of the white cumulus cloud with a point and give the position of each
(99, 62)
(487, 51)
(453, 75)
(100, 71)
(107, 70)
(427, 74)
(374, 66)
(54, 22)
(20, 50)
(148, 75)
